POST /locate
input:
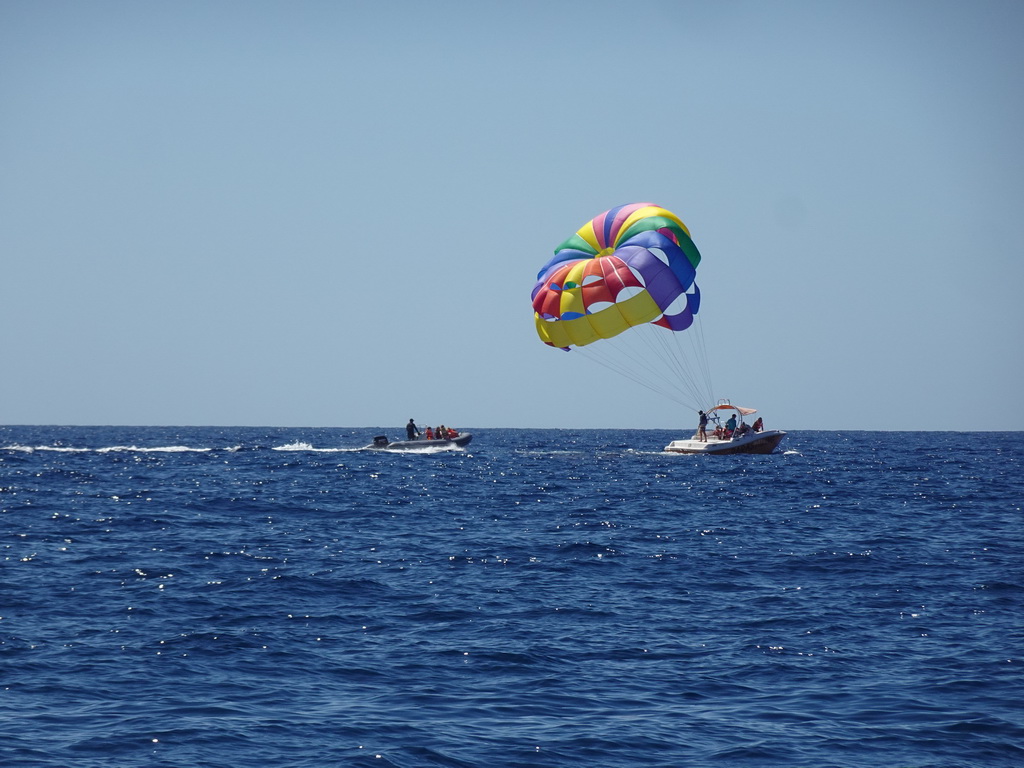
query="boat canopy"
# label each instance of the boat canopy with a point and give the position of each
(727, 407)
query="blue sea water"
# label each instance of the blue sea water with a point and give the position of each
(272, 597)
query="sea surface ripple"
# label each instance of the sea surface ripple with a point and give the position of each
(278, 597)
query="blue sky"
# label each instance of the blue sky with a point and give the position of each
(332, 213)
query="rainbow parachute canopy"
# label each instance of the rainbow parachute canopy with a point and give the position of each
(632, 265)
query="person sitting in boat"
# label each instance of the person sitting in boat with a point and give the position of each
(441, 432)
(719, 432)
(430, 434)
(730, 426)
(452, 433)
(758, 425)
(411, 429)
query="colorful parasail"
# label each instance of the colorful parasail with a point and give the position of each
(632, 265)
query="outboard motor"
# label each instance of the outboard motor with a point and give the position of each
(380, 441)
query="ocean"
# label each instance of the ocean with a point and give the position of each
(277, 597)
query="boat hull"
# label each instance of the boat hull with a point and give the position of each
(461, 440)
(756, 442)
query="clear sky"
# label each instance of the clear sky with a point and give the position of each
(305, 213)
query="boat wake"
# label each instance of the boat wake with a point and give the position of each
(309, 447)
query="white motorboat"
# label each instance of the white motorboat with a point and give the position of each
(745, 438)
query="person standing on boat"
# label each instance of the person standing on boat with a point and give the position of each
(702, 434)
(411, 430)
